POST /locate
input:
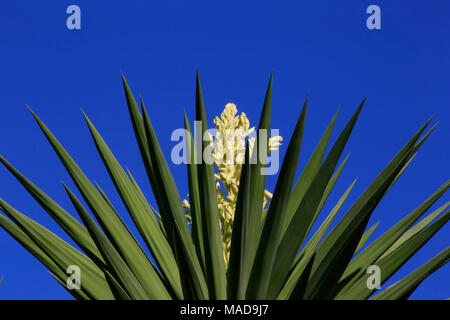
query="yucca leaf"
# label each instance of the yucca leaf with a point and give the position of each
(305, 255)
(141, 214)
(174, 217)
(259, 160)
(141, 139)
(306, 211)
(70, 225)
(40, 255)
(402, 289)
(338, 247)
(417, 228)
(330, 185)
(141, 194)
(376, 249)
(121, 270)
(299, 290)
(190, 288)
(425, 136)
(308, 174)
(113, 226)
(366, 237)
(270, 237)
(309, 248)
(248, 219)
(166, 187)
(214, 262)
(238, 270)
(105, 197)
(61, 253)
(194, 195)
(347, 280)
(77, 294)
(322, 229)
(392, 262)
(116, 288)
(139, 131)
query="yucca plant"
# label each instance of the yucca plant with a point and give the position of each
(265, 256)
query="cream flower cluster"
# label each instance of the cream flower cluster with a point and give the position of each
(228, 155)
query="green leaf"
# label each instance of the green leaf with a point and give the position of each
(61, 253)
(330, 185)
(270, 238)
(320, 232)
(392, 262)
(77, 294)
(338, 247)
(174, 218)
(238, 270)
(300, 287)
(141, 194)
(72, 227)
(377, 248)
(141, 139)
(117, 289)
(306, 211)
(310, 248)
(121, 270)
(25, 241)
(141, 214)
(417, 228)
(402, 289)
(114, 228)
(248, 217)
(194, 196)
(214, 262)
(366, 237)
(308, 174)
(258, 167)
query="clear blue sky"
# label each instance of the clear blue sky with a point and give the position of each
(320, 48)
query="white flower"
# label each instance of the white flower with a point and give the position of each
(229, 154)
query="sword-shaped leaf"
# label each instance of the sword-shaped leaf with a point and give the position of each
(194, 195)
(238, 270)
(140, 212)
(297, 230)
(308, 174)
(402, 289)
(338, 247)
(121, 270)
(214, 262)
(70, 225)
(392, 262)
(417, 228)
(248, 217)
(366, 237)
(272, 230)
(174, 218)
(60, 252)
(310, 248)
(377, 248)
(113, 226)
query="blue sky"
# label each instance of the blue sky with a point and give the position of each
(320, 48)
